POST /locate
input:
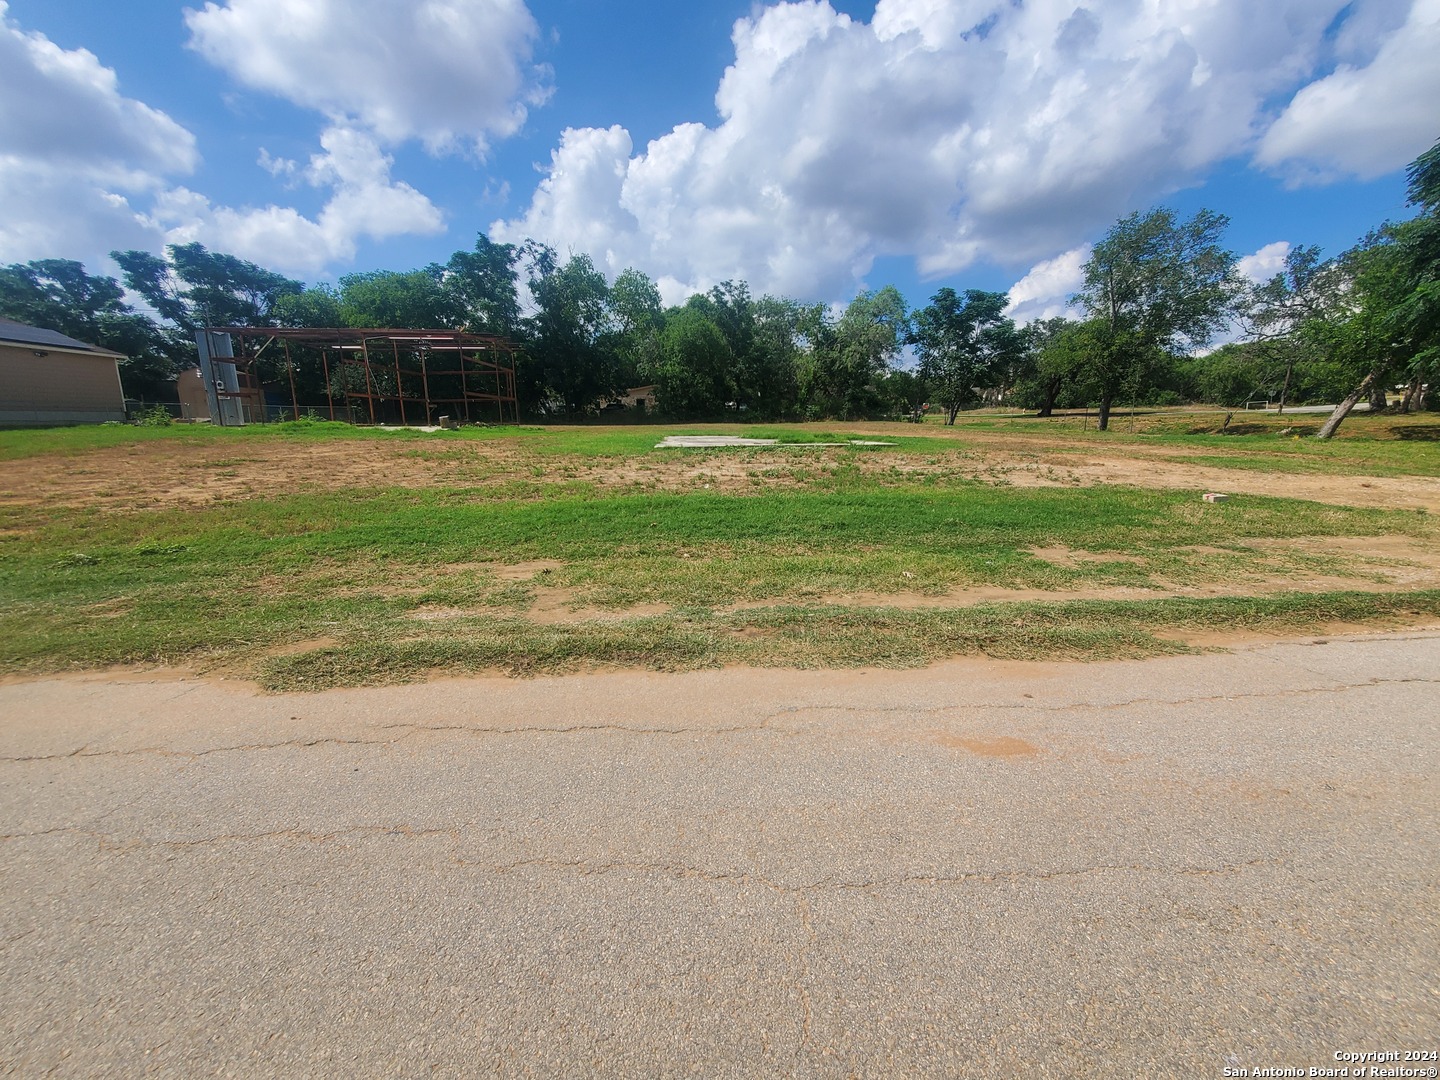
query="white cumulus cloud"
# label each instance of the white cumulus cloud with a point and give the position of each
(949, 131)
(85, 170)
(364, 201)
(1044, 293)
(74, 152)
(447, 72)
(1260, 266)
(1369, 116)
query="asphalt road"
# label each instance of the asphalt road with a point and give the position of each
(1125, 869)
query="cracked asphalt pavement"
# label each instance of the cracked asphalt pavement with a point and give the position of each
(984, 869)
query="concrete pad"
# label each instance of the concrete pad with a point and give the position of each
(703, 442)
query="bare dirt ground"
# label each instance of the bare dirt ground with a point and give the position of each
(154, 475)
(1375, 564)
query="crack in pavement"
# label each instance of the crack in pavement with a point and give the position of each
(409, 729)
(406, 831)
(585, 868)
(117, 843)
(765, 725)
(571, 729)
(799, 895)
(930, 710)
(162, 751)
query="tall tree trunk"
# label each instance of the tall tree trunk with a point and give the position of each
(1052, 393)
(1412, 390)
(1104, 424)
(950, 413)
(1378, 401)
(1343, 409)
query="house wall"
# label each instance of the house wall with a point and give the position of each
(57, 388)
(643, 396)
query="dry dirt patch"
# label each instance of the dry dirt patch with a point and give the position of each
(1388, 564)
(1383, 492)
(1072, 557)
(163, 474)
(526, 571)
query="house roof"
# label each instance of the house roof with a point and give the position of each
(17, 333)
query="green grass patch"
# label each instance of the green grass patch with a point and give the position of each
(405, 581)
(80, 589)
(429, 525)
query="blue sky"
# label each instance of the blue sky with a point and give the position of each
(810, 148)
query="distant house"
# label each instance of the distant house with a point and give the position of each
(48, 379)
(639, 397)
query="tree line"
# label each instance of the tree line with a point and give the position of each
(1157, 291)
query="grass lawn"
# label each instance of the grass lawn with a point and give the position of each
(323, 555)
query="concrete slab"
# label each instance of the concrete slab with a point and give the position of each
(701, 442)
(704, 442)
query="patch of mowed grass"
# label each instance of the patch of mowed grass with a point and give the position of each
(429, 525)
(83, 589)
(814, 637)
(1375, 446)
(720, 576)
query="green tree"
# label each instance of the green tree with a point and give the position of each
(905, 392)
(481, 284)
(848, 358)
(964, 344)
(1367, 341)
(770, 374)
(57, 294)
(730, 307)
(1154, 285)
(694, 364)
(1292, 316)
(1416, 319)
(762, 339)
(316, 307)
(1228, 376)
(1058, 353)
(414, 300)
(636, 320)
(635, 304)
(569, 363)
(193, 287)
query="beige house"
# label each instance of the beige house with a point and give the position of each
(48, 379)
(641, 397)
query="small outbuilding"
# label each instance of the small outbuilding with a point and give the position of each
(639, 397)
(48, 379)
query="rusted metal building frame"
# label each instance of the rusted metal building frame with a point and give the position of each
(482, 366)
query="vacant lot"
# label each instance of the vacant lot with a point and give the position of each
(309, 555)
